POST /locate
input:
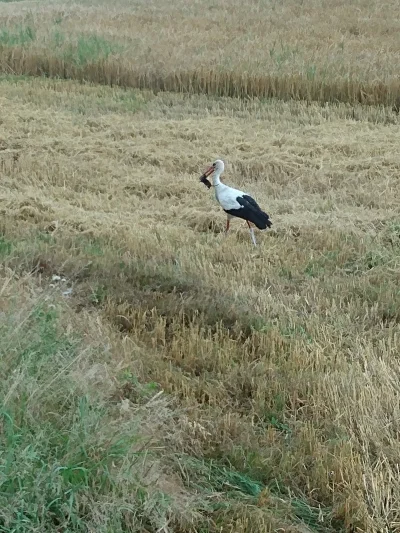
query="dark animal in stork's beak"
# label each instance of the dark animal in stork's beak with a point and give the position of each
(204, 179)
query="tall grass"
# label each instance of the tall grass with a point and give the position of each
(260, 50)
(65, 463)
(88, 49)
(18, 36)
(83, 63)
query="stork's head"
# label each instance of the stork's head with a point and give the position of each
(217, 167)
(216, 170)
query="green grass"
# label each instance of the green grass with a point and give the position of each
(87, 48)
(57, 460)
(18, 36)
(5, 247)
(213, 478)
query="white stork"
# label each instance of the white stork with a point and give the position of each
(235, 203)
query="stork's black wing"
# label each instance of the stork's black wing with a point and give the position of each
(251, 211)
(251, 201)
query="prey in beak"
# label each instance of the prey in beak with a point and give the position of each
(204, 179)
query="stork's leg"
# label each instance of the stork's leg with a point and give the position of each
(227, 225)
(253, 238)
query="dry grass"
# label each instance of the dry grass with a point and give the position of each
(341, 51)
(279, 365)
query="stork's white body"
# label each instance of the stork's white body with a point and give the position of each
(227, 196)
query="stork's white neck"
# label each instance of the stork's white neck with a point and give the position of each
(215, 178)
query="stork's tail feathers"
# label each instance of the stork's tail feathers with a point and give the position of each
(261, 220)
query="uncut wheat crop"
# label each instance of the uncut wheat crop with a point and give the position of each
(313, 50)
(157, 375)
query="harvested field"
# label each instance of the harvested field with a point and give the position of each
(278, 365)
(155, 375)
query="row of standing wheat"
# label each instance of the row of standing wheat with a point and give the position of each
(209, 81)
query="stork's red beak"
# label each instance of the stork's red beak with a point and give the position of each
(209, 171)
